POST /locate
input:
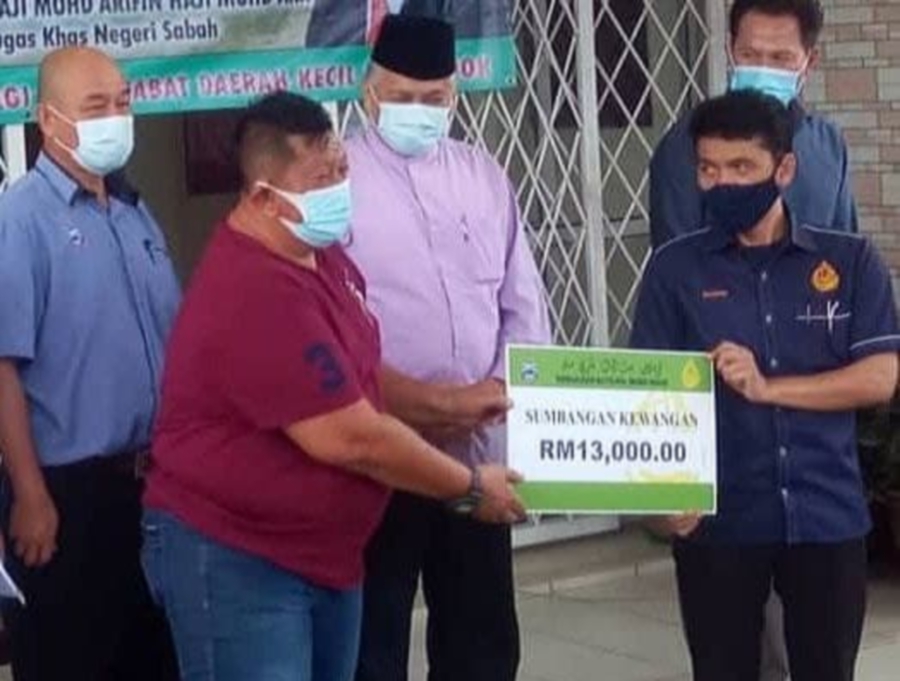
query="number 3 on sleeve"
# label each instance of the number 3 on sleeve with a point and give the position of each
(331, 375)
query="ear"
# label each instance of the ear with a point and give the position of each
(46, 121)
(273, 205)
(729, 50)
(786, 171)
(263, 200)
(54, 126)
(454, 98)
(370, 103)
(815, 58)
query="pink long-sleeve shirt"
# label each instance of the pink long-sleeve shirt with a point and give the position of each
(450, 274)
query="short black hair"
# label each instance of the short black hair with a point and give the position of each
(808, 13)
(264, 128)
(746, 115)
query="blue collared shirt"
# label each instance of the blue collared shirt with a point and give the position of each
(87, 297)
(818, 303)
(820, 195)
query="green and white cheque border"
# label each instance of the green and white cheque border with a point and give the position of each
(599, 431)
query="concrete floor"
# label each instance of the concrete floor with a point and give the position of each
(623, 624)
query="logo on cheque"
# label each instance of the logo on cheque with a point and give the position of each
(691, 376)
(530, 372)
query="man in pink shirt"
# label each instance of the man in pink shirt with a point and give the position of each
(438, 235)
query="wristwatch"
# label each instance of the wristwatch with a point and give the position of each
(467, 504)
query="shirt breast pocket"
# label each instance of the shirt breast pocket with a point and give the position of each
(157, 261)
(156, 253)
(481, 254)
(822, 333)
(162, 288)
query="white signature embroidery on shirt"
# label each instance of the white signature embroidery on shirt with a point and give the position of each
(830, 317)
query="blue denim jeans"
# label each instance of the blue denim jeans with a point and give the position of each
(236, 617)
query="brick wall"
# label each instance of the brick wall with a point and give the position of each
(858, 86)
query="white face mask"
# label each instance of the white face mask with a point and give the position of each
(413, 129)
(104, 144)
(326, 213)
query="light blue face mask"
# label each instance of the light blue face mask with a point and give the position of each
(782, 84)
(413, 129)
(326, 214)
(104, 144)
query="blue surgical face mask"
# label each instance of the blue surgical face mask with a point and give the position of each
(736, 209)
(782, 84)
(104, 144)
(413, 129)
(326, 214)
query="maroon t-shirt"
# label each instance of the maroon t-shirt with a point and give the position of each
(262, 343)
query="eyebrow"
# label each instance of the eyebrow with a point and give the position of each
(96, 98)
(738, 161)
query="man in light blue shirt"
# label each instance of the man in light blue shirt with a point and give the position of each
(773, 49)
(87, 297)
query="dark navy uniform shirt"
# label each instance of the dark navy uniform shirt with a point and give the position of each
(818, 302)
(821, 195)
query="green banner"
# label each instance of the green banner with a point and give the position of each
(188, 55)
(611, 370)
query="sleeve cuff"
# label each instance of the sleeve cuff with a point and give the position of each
(498, 371)
(17, 352)
(875, 346)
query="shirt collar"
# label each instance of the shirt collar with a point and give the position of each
(798, 113)
(69, 189)
(716, 240)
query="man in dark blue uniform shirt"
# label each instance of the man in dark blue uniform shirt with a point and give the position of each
(802, 328)
(773, 49)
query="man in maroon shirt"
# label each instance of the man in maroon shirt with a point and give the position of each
(272, 457)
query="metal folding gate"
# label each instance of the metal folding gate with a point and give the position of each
(12, 154)
(599, 82)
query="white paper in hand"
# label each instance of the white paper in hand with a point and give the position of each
(8, 588)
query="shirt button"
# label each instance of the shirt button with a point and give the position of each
(769, 319)
(784, 493)
(773, 362)
(782, 452)
(764, 276)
